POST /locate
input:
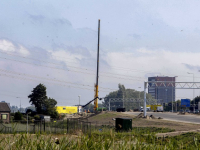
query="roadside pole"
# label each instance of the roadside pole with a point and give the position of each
(144, 108)
(109, 104)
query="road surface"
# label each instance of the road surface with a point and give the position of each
(193, 118)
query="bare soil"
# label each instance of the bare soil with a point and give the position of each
(108, 118)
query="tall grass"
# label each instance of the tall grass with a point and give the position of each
(104, 140)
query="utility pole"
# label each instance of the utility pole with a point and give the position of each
(79, 104)
(109, 104)
(97, 77)
(20, 104)
(172, 95)
(139, 98)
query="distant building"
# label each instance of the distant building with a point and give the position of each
(22, 110)
(4, 112)
(14, 109)
(161, 93)
(66, 109)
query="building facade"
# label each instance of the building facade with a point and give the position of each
(5, 112)
(161, 93)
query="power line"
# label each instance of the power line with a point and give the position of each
(45, 61)
(38, 77)
(116, 67)
(35, 51)
(28, 98)
(119, 68)
(86, 69)
(69, 86)
(69, 66)
(64, 69)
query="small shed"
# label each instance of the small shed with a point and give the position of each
(45, 117)
(123, 124)
(4, 112)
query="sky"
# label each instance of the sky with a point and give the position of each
(55, 43)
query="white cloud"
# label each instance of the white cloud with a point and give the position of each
(65, 56)
(23, 51)
(157, 61)
(6, 45)
(145, 51)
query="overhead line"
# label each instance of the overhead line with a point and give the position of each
(18, 73)
(62, 69)
(69, 86)
(102, 72)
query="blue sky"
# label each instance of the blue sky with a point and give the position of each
(55, 43)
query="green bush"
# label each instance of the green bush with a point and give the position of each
(37, 117)
(54, 115)
(12, 114)
(18, 116)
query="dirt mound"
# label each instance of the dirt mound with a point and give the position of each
(181, 113)
(140, 116)
(147, 117)
(152, 117)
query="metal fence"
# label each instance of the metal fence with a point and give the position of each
(71, 125)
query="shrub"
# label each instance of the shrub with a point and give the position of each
(18, 116)
(37, 117)
(54, 115)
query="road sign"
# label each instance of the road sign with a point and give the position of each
(185, 102)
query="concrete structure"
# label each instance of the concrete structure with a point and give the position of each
(163, 94)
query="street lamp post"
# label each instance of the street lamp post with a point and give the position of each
(139, 97)
(20, 104)
(27, 121)
(172, 95)
(193, 93)
(79, 104)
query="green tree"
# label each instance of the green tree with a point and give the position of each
(50, 109)
(43, 104)
(38, 97)
(196, 100)
(124, 93)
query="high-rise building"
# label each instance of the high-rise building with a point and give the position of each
(164, 94)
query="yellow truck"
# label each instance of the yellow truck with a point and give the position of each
(66, 109)
(157, 108)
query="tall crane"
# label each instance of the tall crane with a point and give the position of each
(97, 77)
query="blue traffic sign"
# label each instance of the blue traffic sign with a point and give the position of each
(185, 102)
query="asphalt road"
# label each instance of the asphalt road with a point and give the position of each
(173, 116)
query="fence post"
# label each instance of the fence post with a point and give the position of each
(109, 104)
(40, 126)
(55, 126)
(63, 127)
(44, 125)
(90, 128)
(34, 128)
(67, 125)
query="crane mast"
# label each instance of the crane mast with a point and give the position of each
(97, 77)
